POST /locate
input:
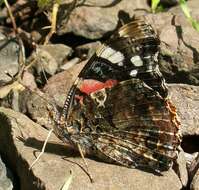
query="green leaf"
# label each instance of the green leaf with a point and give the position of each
(186, 11)
(154, 5)
(1, 2)
(185, 8)
(43, 3)
(195, 25)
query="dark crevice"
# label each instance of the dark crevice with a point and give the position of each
(190, 144)
(11, 173)
(70, 39)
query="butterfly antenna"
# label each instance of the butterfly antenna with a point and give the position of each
(85, 163)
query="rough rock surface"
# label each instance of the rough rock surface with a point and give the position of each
(94, 21)
(193, 169)
(195, 182)
(59, 84)
(179, 49)
(23, 137)
(50, 57)
(180, 167)
(5, 182)
(9, 55)
(185, 98)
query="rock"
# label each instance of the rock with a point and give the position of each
(87, 50)
(195, 182)
(193, 166)
(59, 84)
(94, 21)
(185, 98)
(32, 102)
(179, 50)
(50, 57)
(21, 137)
(180, 168)
(5, 181)
(9, 55)
(194, 173)
(70, 63)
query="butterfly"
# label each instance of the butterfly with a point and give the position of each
(118, 108)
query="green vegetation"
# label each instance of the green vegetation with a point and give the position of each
(45, 3)
(186, 11)
(154, 5)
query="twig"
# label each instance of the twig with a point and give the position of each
(82, 155)
(79, 165)
(11, 16)
(53, 22)
(42, 151)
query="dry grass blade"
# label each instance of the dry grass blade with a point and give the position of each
(68, 182)
(6, 89)
(53, 23)
(42, 151)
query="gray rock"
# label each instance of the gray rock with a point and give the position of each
(193, 167)
(50, 57)
(195, 182)
(87, 50)
(94, 21)
(180, 168)
(5, 181)
(59, 84)
(185, 98)
(179, 49)
(9, 55)
(23, 137)
(70, 63)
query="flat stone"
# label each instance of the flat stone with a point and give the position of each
(9, 56)
(50, 57)
(21, 138)
(185, 98)
(94, 21)
(195, 182)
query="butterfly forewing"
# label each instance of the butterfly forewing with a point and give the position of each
(117, 108)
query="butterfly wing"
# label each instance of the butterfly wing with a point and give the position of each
(140, 128)
(117, 105)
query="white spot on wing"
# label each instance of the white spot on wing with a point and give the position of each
(107, 53)
(117, 57)
(133, 73)
(112, 55)
(137, 61)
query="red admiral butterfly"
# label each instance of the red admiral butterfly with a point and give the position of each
(118, 108)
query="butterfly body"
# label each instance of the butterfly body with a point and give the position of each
(118, 109)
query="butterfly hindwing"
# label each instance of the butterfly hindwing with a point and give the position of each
(129, 123)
